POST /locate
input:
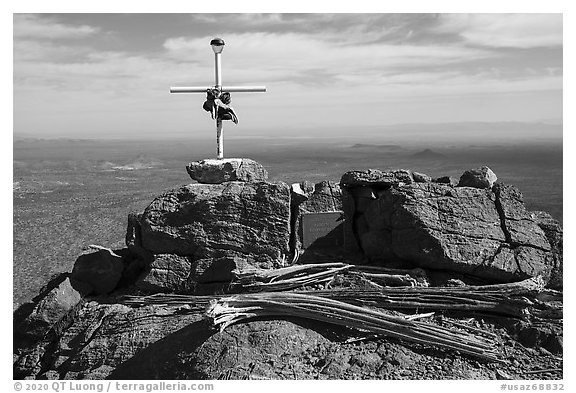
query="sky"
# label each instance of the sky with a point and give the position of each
(108, 75)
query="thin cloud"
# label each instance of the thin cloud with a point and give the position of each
(343, 28)
(250, 56)
(37, 27)
(35, 50)
(505, 30)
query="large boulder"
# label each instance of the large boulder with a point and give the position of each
(51, 309)
(481, 232)
(421, 177)
(212, 224)
(97, 273)
(446, 180)
(182, 274)
(376, 178)
(229, 169)
(482, 177)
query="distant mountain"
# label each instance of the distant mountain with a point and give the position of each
(379, 147)
(20, 138)
(428, 154)
(141, 162)
(105, 165)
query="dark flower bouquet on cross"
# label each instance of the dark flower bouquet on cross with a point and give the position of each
(218, 104)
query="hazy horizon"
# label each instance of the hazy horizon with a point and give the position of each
(432, 133)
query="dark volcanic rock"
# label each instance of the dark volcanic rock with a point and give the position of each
(325, 197)
(51, 310)
(210, 270)
(167, 273)
(260, 350)
(438, 227)
(376, 178)
(421, 177)
(539, 334)
(446, 180)
(213, 221)
(229, 169)
(554, 233)
(182, 274)
(133, 237)
(97, 273)
(476, 231)
(479, 178)
(351, 222)
(518, 224)
(134, 244)
(114, 341)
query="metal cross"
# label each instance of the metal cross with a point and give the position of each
(217, 46)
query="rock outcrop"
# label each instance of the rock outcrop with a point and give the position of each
(211, 229)
(114, 341)
(554, 233)
(211, 221)
(105, 341)
(167, 273)
(376, 178)
(446, 180)
(190, 239)
(98, 272)
(182, 274)
(51, 309)
(421, 177)
(479, 178)
(224, 170)
(483, 232)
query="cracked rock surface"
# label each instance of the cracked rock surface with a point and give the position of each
(212, 224)
(113, 341)
(483, 232)
(193, 236)
(229, 169)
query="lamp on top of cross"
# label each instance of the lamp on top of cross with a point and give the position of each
(218, 96)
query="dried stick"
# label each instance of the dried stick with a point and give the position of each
(226, 311)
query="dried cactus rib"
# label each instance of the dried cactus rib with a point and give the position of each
(229, 310)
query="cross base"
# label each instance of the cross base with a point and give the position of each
(216, 171)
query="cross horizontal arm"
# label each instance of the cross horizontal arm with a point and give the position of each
(230, 89)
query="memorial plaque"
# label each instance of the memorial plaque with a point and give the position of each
(322, 229)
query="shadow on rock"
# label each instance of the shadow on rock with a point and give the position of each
(169, 358)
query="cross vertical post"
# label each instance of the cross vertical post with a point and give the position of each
(217, 46)
(219, 139)
(218, 84)
(218, 69)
